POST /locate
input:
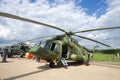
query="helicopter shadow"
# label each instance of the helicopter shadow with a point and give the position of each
(60, 65)
(40, 69)
(75, 63)
(70, 64)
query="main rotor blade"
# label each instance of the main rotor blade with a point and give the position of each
(36, 38)
(28, 20)
(97, 29)
(92, 40)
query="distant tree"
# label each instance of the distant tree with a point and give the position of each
(109, 51)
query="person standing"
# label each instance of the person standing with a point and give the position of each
(90, 56)
(4, 54)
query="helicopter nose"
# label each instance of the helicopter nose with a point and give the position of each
(35, 50)
(38, 51)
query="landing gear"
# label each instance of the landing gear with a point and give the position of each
(52, 64)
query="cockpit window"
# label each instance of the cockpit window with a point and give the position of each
(50, 45)
(47, 45)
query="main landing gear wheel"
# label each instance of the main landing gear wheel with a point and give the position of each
(52, 64)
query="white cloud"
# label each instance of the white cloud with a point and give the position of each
(4, 32)
(64, 14)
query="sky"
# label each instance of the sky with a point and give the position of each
(70, 15)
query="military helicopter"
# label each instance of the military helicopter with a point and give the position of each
(61, 47)
(19, 48)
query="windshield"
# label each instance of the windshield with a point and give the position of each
(47, 45)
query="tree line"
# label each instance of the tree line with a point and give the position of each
(108, 51)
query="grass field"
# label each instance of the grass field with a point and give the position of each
(106, 57)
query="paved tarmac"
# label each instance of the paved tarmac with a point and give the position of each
(26, 69)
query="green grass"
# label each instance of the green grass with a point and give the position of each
(105, 57)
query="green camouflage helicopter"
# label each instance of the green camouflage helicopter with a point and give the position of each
(19, 49)
(16, 49)
(62, 47)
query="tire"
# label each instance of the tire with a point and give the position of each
(52, 64)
